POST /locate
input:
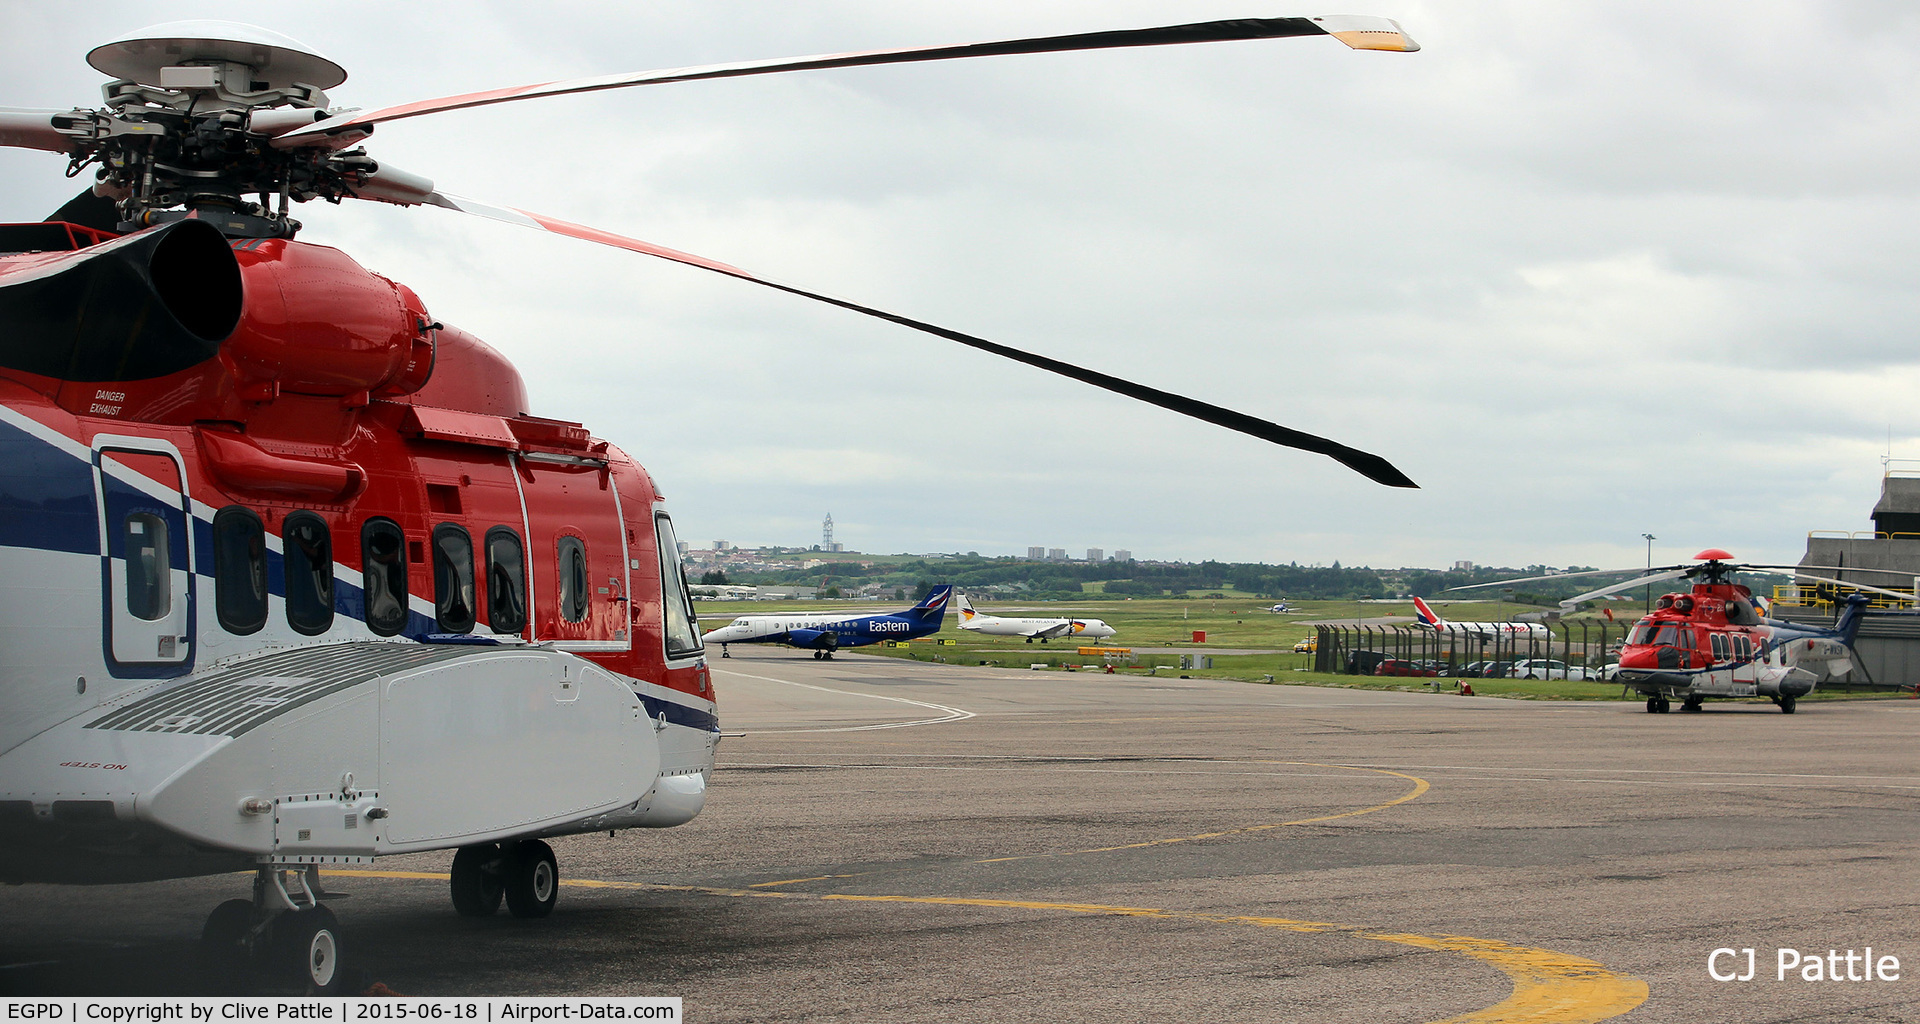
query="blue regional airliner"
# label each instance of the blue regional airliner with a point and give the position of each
(824, 634)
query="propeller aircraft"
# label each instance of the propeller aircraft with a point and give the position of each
(1040, 629)
(825, 634)
(292, 576)
(1714, 641)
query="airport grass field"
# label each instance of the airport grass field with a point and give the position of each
(1244, 640)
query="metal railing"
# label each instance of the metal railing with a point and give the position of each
(1827, 595)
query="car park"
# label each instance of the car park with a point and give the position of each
(1397, 667)
(1546, 668)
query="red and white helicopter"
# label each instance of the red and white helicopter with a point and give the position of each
(1714, 640)
(289, 575)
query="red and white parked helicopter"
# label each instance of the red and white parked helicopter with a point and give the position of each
(1714, 640)
(289, 576)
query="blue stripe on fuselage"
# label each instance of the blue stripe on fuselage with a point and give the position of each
(46, 496)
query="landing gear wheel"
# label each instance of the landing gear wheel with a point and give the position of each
(477, 886)
(1653, 705)
(533, 879)
(306, 951)
(817, 655)
(1786, 705)
(224, 954)
(1692, 704)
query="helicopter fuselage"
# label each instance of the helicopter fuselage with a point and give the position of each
(289, 576)
(1712, 642)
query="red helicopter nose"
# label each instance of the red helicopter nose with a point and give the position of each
(1713, 555)
(1640, 657)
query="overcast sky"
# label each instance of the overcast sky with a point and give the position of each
(1585, 270)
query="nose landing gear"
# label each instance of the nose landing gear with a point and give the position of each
(283, 939)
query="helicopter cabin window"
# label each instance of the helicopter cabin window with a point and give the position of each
(453, 578)
(149, 576)
(239, 570)
(383, 566)
(573, 578)
(506, 581)
(683, 638)
(307, 550)
(1720, 649)
(1742, 646)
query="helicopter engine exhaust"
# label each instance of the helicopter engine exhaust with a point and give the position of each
(148, 305)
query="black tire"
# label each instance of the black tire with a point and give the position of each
(1786, 705)
(1653, 705)
(477, 885)
(224, 955)
(1692, 704)
(306, 952)
(533, 879)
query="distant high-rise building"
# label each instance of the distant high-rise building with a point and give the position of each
(684, 548)
(826, 533)
(1122, 555)
(1463, 567)
(1036, 554)
(1095, 554)
(1056, 554)
(722, 545)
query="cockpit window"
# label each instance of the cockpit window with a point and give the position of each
(683, 637)
(1660, 635)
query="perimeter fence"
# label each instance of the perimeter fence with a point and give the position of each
(1359, 649)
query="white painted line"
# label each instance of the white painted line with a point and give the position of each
(952, 714)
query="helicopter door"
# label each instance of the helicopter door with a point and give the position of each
(576, 553)
(147, 559)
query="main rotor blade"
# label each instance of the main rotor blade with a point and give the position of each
(1904, 596)
(35, 129)
(1371, 466)
(1357, 31)
(1562, 576)
(1657, 577)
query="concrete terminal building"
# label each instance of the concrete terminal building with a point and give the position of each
(1887, 557)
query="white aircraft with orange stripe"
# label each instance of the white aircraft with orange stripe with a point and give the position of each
(1042, 630)
(1430, 619)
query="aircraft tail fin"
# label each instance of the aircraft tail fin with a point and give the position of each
(935, 606)
(1426, 615)
(965, 607)
(1849, 621)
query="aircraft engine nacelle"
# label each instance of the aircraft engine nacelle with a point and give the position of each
(155, 303)
(315, 322)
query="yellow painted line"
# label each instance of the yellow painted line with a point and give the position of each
(1420, 786)
(1548, 987)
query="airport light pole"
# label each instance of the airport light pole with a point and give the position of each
(1650, 539)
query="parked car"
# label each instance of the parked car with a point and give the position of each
(1362, 663)
(1310, 645)
(1545, 668)
(1485, 669)
(1396, 667)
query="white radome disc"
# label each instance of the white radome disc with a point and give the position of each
(276, 59)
